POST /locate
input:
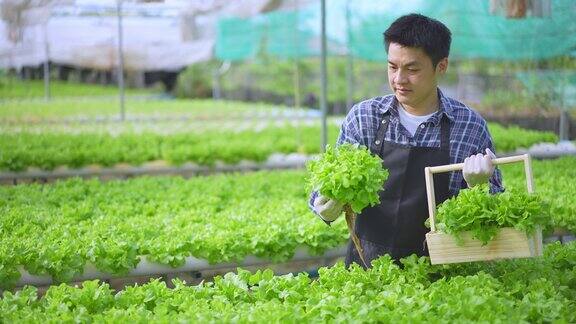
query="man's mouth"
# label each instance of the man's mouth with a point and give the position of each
(403, 91)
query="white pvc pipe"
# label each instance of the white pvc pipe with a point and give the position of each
(147, 268)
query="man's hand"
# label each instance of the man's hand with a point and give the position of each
(478, 168)
(328, 209)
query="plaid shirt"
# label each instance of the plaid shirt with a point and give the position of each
(468, 132)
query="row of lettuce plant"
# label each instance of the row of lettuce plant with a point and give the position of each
(56, 229)
(535, 290)
(49, 150)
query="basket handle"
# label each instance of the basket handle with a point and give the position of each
(430, 171)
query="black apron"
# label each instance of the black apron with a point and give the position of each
(396, 225)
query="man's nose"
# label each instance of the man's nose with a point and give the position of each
(400, 77)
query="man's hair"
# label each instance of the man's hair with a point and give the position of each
(415, 30)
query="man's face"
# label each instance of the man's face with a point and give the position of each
(411, 75)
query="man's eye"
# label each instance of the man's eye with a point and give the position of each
(391, 67)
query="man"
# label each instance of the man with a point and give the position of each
(414, 128)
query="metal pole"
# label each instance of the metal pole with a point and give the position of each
(297, 77)
(216, 83)
(217, 93)
(564, 119)
(350, 62)
(297, 58)
(564, 125)
(46, 64)
(297, 103)
(323, 76)
(120, 60)
(296, 84)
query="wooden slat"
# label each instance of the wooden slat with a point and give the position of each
(431, 198)
(508, 243)
(459, 166)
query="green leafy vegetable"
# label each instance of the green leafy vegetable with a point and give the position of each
(56, 229)
(535, 290)
(349, 174)
(483, 214)
(47, 228)
(554, 182)
(23, 149)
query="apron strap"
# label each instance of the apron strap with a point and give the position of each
(444, 133)
(376, 146)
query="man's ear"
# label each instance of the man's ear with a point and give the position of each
(442, 66)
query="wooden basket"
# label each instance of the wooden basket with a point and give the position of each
(509, 243)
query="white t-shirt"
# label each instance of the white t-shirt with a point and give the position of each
(411, 122)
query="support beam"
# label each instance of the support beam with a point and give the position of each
(46, 65)
(120, 60)
(323, 77)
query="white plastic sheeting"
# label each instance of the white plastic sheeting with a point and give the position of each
(149, 44)
(160, 36)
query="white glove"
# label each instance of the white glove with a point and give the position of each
(328, 209)
(478, 168)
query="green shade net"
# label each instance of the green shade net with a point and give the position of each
(282, 34)
(358, 25)
(285, 36)
(237, 39)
